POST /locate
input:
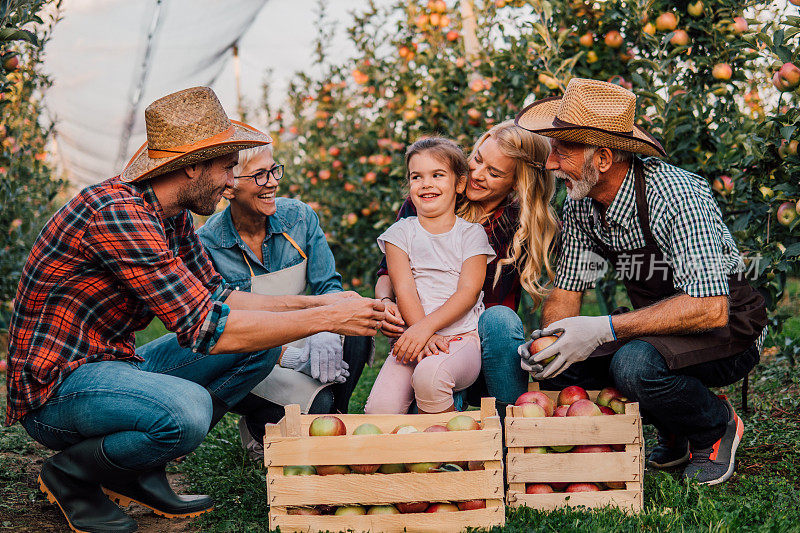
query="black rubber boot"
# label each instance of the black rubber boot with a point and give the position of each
(151, 489)
(71, 479)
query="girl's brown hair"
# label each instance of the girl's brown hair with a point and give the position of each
(442, 149)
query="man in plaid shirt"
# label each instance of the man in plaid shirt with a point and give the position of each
(118, 254)
(696, 324)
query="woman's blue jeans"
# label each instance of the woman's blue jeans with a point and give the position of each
(501, 333)
(149, 412)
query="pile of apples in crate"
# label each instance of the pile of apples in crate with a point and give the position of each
(331, 426)
(572, 401)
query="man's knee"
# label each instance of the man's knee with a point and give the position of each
(323, 402)
(498, 320)
(185, 416)
(635, 365)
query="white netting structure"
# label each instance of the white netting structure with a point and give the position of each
(110, 58)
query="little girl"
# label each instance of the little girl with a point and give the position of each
(437, 264)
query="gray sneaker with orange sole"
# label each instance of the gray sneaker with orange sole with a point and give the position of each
(709, 466)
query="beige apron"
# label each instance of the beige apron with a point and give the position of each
(284, 386)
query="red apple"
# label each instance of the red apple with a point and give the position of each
(383, 509)
(532, 410)
(350, 510)
(613, 39)
(561, 410)
(572, 394)
(790, 73)
(584, 408)
(587, 39)
(536, 449)
(723, 185)
(412, 507)
(462, 423)
(329, 470)
(786, 213)
(470, 505)
(615, 485)
(539, 397)
(592, 448)
(366, 429)
(618, 447)
(666, 22)
(475, 465)
(10, 62)
(392, 468)
(442, 508)
(607, 410)
(722, 71)
(303, 511)
(334, 151)
(538, 488)
(582, 487)
(3, 365)
(617, 405)
(422, 468)
(680, 38)
(436, 428)
(327, 426)
(540, 344)
(739, 25)
(606, 395)
(559, 486)
(452, 35)
(300, 470)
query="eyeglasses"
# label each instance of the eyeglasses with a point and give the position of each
(262, 176)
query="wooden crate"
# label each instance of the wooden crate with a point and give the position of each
(625, 466)
(288, 443)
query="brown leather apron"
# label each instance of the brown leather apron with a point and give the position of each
(647, 285)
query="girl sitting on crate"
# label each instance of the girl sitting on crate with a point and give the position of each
(437, 264)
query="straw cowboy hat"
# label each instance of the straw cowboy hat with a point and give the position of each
(591, 112)
(188, 127)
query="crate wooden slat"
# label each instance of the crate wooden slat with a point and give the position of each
(382, 488)
(288, 444)
(626, 466)
(421, 522)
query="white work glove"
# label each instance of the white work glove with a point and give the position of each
(325, 356)
(300, 359)
(579, 336)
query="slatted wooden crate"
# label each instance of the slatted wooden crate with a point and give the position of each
(625, 466)
(288, 444)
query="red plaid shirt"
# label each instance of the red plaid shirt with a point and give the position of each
(101, 268)
(500, 229)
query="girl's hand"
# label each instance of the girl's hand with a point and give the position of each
(393, 324)
(411, 343)
(435, 344)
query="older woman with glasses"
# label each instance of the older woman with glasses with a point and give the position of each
(275, 246)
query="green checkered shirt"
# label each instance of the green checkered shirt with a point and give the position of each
(684, 219)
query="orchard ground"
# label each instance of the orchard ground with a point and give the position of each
(762, 495)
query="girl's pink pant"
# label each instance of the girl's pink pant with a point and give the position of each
(431, 381)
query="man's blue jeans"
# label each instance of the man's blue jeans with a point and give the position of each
(149, 412)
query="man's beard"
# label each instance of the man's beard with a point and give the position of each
(580, 189)
(199, 196)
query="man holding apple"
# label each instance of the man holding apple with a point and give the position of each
(115, 256)
(696, 322)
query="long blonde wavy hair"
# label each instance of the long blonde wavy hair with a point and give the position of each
(534, 187)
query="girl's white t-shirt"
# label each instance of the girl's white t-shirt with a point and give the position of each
(436, 261)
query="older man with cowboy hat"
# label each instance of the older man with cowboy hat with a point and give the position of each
(696, 322)
(115, 256)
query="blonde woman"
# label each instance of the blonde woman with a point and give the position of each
(509, 194)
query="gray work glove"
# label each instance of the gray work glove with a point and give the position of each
(300, 359)
(325, 355)
(579, 336)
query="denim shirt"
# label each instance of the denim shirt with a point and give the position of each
(225, 246)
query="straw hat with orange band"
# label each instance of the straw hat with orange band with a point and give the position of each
(185, 128)
(591, 112)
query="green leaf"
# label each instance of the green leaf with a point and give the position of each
(792, 250)
(786, 132)
(12, 34)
